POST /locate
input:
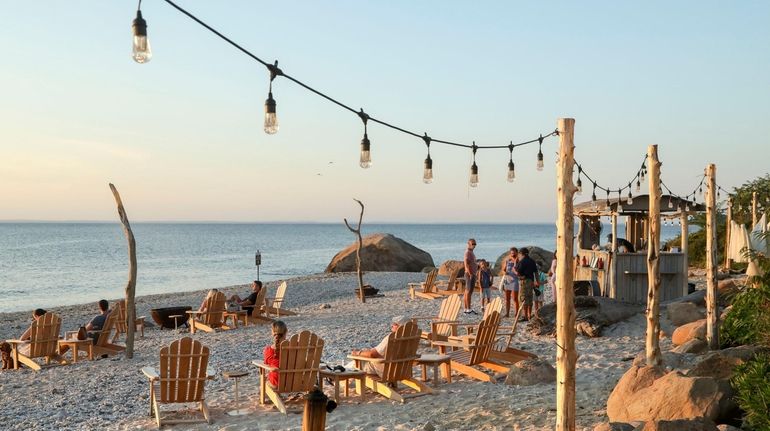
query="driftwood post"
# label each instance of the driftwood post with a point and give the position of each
(357, 231)
(613, 256)
(131, 284)
(652, 345)
(753, 210)
(712, 315)
(728, 234)
(566, 355)
(685, 244)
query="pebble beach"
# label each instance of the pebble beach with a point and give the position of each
(113, 394)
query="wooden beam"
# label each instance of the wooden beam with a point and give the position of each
(613, 257)
(652, 345)
(566, 355)
(685, 244)
(712, 313)
(131, 284)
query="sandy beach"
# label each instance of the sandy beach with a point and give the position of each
(113, 394)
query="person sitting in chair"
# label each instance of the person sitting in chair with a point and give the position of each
(27, 335)
(250, 301)
(622, 242)
(271, 352)
(379, 350)
(95, 326)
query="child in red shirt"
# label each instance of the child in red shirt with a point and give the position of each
(271, 352)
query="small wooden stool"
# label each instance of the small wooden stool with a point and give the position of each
(176, 318)
(75, 345)
(434, 361)
(336, 376)
(236, 375)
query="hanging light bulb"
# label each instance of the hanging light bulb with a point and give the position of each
(540, 154)
(608, 198)
(511, 166)
(593, 194)
(620, 202)
(427, 173)
(638, 186)
(642, 172)
(579, 181)
(670, 204)
(271, 119)
(700, 190)
(366, 156)
(630, 200)
(474, 179)
(141, 50)
(687, 207)
(718, 194)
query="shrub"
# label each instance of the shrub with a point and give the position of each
(748, 322)
(752, 392)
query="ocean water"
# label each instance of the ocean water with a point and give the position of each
(51, 264)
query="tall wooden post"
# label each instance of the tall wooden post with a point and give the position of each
(728, 234)
(357, 231)
(685, 222)
(131, 284)
(614, 257)
(753, 210)
(566, 355)
(712, 314)
(652, 346)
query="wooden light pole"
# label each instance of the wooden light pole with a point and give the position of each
(712, 315)
(652, 346)
(566, 355)
(728, 234)
(613, 256)
(685, 222)
(131, 284)
(753, 210)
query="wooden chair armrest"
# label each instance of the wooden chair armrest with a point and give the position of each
(454, 323)
(365, 359)
(151, 373)
(195, 312)
(140, 317)
(15, 341)
(449, 344)
(445, 322)
(264, 366)
(415, 319)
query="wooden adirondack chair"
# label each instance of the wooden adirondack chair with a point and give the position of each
(121, 322)
(397, 365)
(445, 323)
(476, 352)
(277, 303)
(450, 286)
(299, 360)
(211, 319)
(425, 289)
(258, 310)
(104, 339)
(182, 378)
(43, 343)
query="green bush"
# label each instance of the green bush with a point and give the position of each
(752, 392)
(748, 322)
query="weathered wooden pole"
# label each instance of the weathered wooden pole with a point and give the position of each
(685, 244)
(357, 231)
(728, 234)
(131, 284)
(753, 210)
(652, 345)
(566, 355)
(712, 314)
(613, 257)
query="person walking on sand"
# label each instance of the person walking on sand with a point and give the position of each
(526, 269)
(469, 263)
(511, 282)
(485, 281)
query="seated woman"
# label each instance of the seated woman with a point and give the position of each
(27, 335)
(211, 293)
(271, 352)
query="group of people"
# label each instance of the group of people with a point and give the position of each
(522, 280)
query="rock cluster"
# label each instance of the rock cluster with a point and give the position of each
(381, 252)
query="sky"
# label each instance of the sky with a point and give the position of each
(181, 136)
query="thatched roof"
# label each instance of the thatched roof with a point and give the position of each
(640, 205)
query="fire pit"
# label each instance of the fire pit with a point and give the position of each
(161, 316)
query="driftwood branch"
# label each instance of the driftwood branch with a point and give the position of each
(131, 284)
(357, 231)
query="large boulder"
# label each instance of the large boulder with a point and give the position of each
(448, 266)
(541, 256)
(695, 345)
(531, 372)
(684, 312)
(698, 298)
(594, 313)
(381, 252)
(688, 332)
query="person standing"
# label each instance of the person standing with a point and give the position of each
(526, 269)
(469, 263)
(550, 294)
(511, 282)
(485, 281)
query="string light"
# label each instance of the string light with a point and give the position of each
(511, 166)
(670, 204)
(427, 173)
(638, 186)
(474, 179)
(620, 203)
(366, 156)
(630, 200)
(642, 172)
(579, 181)
(540, 153)
(271, 119)
(141, 44)
(593, 194)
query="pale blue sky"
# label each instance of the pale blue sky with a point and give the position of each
(182, 136)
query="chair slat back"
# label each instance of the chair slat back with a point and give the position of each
(110, 324)
(430, 281)
(299, 359)
(44, 336)
(495, 305)
(485, 338)
(452, 279)
(279, 294)
(120, 320)
(215, 310)
(183, 367)
(259, 302)
(401, 353)
(450, 308)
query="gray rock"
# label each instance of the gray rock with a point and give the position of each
(684, 312)
(541, 256)
(725, 427)
(381, 252)
(593, 315)
(614, 426)
(531, 372)
(448, 266)
(428, 427)
(693, 346)
(695, 424)
(324, 306)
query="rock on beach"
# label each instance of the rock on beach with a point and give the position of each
(381, 252)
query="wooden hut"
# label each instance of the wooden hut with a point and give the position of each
(614, 271)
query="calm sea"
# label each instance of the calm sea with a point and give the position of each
(50, 264)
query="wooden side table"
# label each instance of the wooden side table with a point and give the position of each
(176, 318)
(236, 375)
(337, 376)
(237, 316)
(434, 361)
(75, 345)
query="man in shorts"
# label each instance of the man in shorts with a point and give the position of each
(526, 269)
(469, 263)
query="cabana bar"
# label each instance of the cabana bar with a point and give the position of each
(615, 272)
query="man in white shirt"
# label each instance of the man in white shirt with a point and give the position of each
(379, 350)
